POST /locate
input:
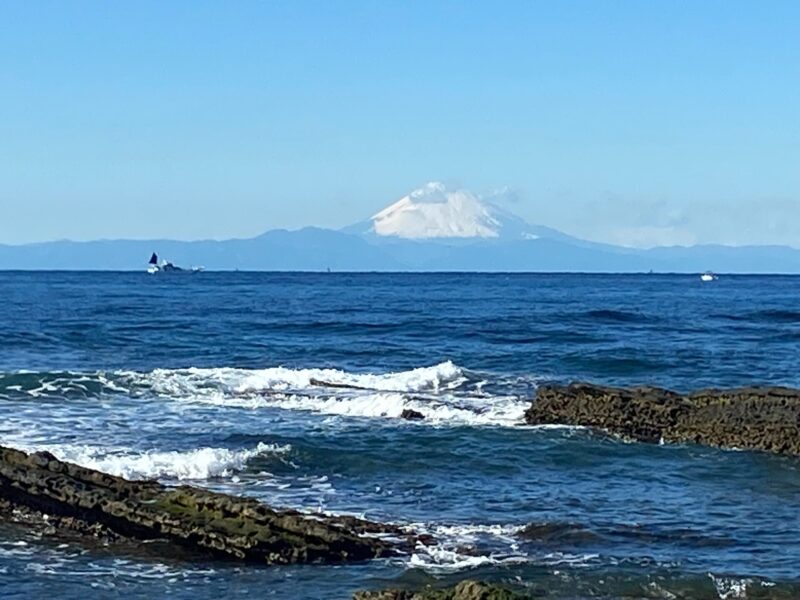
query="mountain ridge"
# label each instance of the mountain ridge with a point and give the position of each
(430, 229)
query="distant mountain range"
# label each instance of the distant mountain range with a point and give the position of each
(430, 229)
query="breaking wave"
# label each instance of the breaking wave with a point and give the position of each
(441, 377)
(439, 394)
(443, 393)
(198, 464)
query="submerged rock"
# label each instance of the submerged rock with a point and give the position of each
(759, 418)
(411, 414)
(466, 590)
(39, 487)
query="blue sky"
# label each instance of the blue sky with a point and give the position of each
(631, 122)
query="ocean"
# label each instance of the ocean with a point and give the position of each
(231, 381)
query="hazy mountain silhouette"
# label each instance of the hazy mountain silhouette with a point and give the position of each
(430, 229)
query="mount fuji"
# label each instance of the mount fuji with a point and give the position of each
(434, 212)
(433, 228)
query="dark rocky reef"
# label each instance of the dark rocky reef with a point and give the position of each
(411, 415)
(466, 590)
(40, 489)
(758, 418)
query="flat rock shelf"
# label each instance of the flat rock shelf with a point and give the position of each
(40, 490)
(755, 418)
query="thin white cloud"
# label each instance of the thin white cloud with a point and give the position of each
(649, 223)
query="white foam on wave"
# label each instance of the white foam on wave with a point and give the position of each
(442, 393)
(197, 464)
(730, 588)
(43, 385)
(467, 533)
(735, 588)
(447, 554)
(443, 376)
(65, 562)
(436, 392)
(437, 559)
(436, 411)
(461, 547)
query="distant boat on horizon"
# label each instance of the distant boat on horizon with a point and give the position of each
(153, 266)
(709, 276)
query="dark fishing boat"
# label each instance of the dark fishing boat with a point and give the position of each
(165, 266)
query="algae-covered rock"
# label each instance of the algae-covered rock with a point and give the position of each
(94, 503)
(465, 590)
(766, 418)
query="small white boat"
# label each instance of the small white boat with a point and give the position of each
(708, 276)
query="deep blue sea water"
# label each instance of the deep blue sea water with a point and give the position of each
(219, 379)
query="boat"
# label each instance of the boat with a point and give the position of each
(708, 276)
(153, 266)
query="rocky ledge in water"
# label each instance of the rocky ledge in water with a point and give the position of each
(758, 418)
(41, 491)
(466, 590)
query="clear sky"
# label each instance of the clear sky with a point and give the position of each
(640, 122)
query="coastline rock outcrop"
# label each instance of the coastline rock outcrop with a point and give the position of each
(63, 495)
(758, 418)
(465, 590)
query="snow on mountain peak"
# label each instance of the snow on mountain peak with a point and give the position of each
(433, 211)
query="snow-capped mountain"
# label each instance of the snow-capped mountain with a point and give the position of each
(436, 212)
(433, 211)
(431, 229)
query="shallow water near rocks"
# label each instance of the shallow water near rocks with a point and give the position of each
(289, 388)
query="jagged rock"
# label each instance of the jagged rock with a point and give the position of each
(466, 590)
(411, 415)
(759, 418)
(62, 495)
